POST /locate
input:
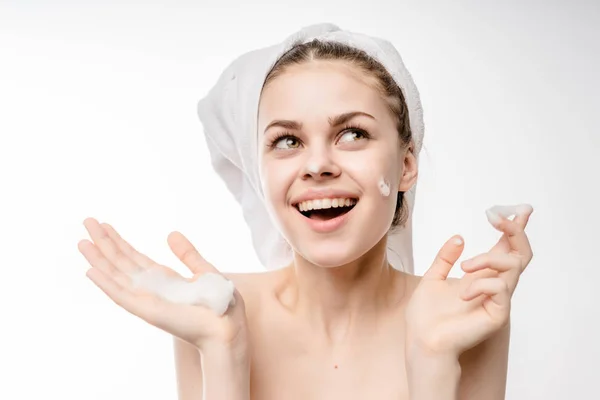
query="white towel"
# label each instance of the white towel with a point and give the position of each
(229, 116)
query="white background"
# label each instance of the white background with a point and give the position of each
(97, 118)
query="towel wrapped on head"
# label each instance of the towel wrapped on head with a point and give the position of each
(229, 115)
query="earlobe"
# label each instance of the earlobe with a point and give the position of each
(408, 180)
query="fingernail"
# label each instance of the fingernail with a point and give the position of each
(457, 241)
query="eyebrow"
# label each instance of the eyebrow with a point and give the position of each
(333, 121)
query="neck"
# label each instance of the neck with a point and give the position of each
(347, 302)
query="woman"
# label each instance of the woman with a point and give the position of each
(339, 321)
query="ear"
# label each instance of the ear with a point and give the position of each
(410, 171)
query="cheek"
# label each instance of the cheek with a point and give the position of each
(374, 171)
(276, 177)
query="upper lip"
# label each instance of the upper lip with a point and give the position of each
(324, 193)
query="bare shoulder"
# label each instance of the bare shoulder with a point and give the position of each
(250, 283)
(252, 287)
(411, 283)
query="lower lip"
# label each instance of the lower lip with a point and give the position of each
(327, 225)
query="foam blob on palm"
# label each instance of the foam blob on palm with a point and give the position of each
(210, 289)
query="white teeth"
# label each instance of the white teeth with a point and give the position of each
(321, 204)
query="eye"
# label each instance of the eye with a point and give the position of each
(352, 134)
(286, 142)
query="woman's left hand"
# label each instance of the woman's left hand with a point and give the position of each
(446, 316)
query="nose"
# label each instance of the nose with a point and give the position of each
(320, 166)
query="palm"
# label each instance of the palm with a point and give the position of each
(437, 306)
(181, 320)
(118, 268)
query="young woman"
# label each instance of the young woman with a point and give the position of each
(339, 321)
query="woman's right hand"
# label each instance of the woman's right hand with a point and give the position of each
(113, 260)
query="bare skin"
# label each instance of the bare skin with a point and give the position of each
(297, 331)
(290, 360)
(341, 336)
(296, 355)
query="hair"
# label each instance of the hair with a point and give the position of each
(383, 82)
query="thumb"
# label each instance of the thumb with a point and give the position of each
(187, 253)
(445, 259)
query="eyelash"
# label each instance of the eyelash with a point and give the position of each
(348, 127)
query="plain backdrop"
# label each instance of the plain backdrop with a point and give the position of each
(98, 118)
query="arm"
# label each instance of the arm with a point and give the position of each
(188, 370)
(480, 373)
(216, 374)
(226, 374)
(212, 374)
(432, 377)
(484, 368)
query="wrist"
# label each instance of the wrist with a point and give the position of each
(225, 373)
(226, 351)
(432, 365)
(430, 346)
(432, 375)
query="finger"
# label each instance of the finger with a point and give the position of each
(521, 242)
(95, 257)
(144, 307)
(509, 266)
(187, 253)
(514, 231)
(497, 303)
(495, 288)
(99, 262)
(445, 259)
(522, 214)
(469, 277)
(496, 261)
(138, 258)
(108, 247)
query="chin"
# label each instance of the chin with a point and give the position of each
(363, 230)
(326, 255)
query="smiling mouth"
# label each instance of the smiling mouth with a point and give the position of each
(326, 213)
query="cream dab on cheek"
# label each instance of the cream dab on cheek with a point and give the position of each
(209, 290)
(384, 187)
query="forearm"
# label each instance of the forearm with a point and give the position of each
(225, 374)
(432, 377)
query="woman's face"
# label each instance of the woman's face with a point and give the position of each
(308, 152)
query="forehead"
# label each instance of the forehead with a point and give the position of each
(320, 88)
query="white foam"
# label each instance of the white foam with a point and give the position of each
(493, 214)
(313, 168)
(211, 290)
